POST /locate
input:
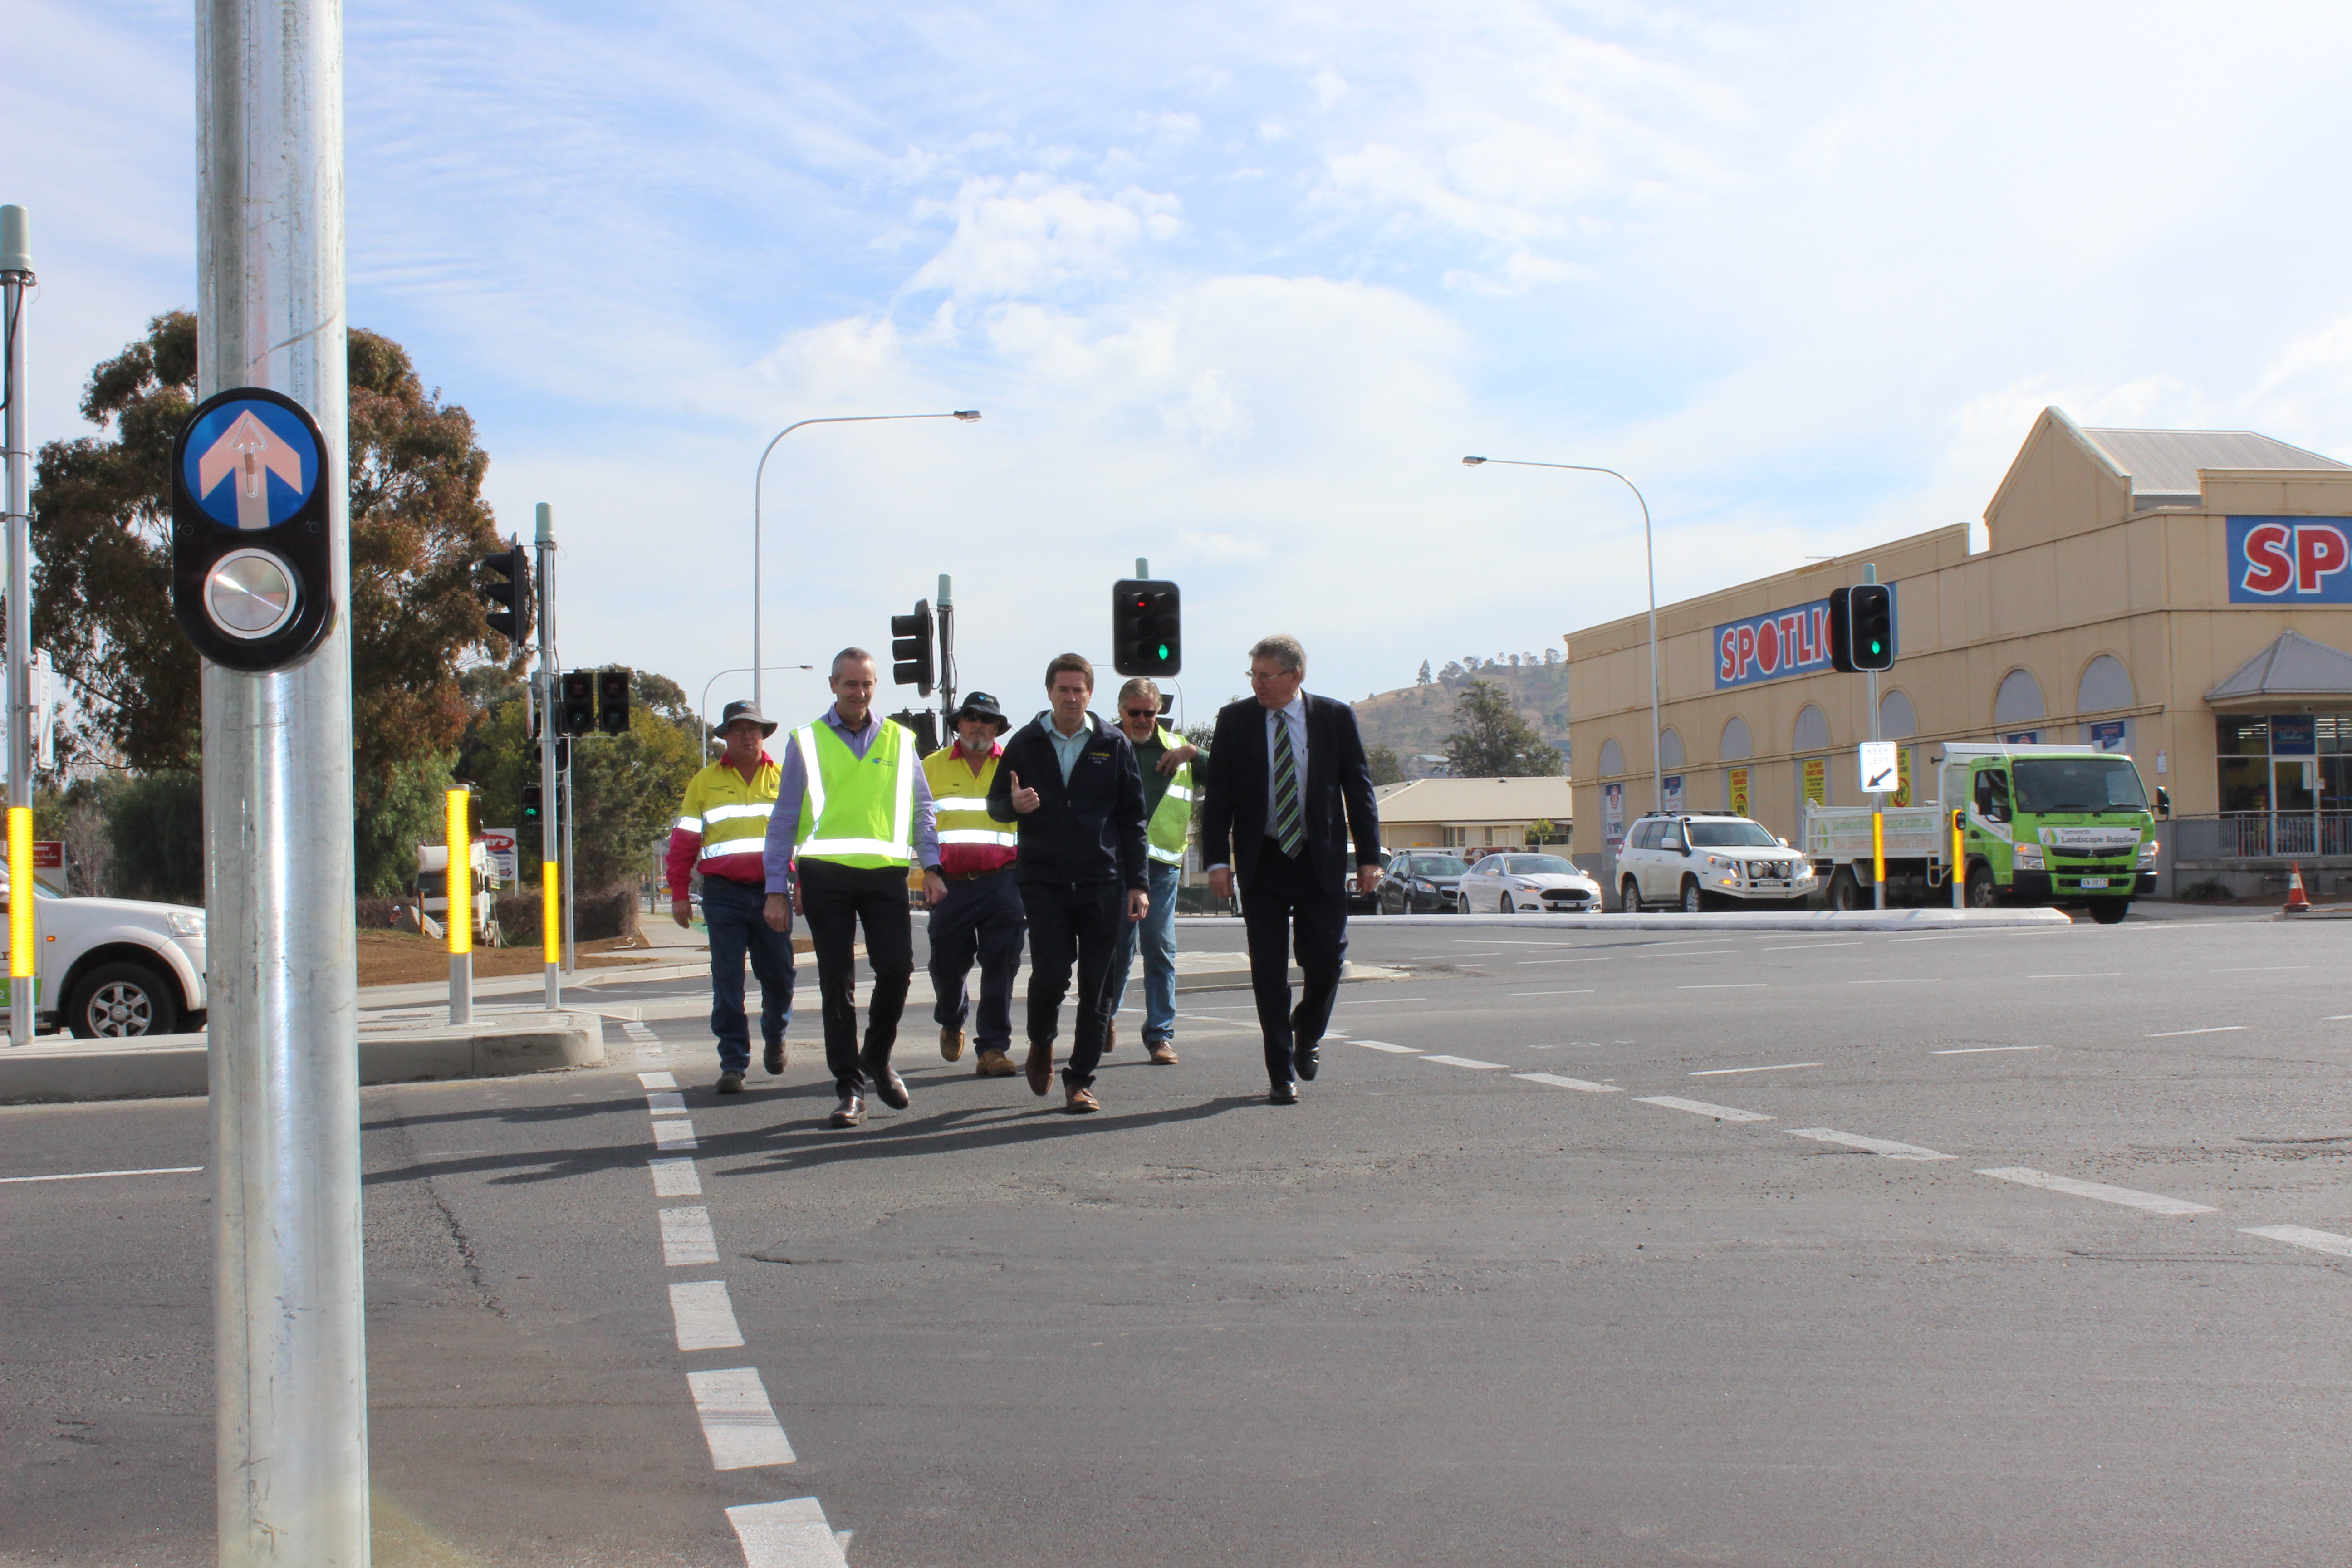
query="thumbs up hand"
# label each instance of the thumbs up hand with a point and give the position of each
(1025, 801)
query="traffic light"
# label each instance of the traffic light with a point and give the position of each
(912, 660)
(1861, 627)
(576, 704)
(509, 586)
(534, 806)
(924, 725)
(1146, 627)
(613, 701)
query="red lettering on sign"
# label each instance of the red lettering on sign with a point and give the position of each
(1788, 649)
(2319, 551)
(1767, 647)
(1727, 657)
(1746, 649)
(2268, 569)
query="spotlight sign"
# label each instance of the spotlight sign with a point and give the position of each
(1765, 648)
(252, 576)
(2290, 560)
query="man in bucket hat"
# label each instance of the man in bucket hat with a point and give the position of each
(981, 917)
(722, 827)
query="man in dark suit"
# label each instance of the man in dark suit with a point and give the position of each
(1287, 788)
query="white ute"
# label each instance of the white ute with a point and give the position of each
(116, 968)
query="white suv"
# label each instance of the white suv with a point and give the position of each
(1692, 860)
(111, 968)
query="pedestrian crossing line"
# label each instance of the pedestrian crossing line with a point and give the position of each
(1701, 1108)
(675, 1179)
(2154, 1203)
(1384, 1046)
(686, 1237)
(737, 1422)
(704, 1316)
(2303, 1235)
(665, 1103)
(641, 1033)
(790, 1534)
(1576, 1083)
(657, 1080)
(1463, 1062)
(675, 1132)
(1887, 1147)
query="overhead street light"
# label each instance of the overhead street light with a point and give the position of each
(967, 416)
(1657, 763)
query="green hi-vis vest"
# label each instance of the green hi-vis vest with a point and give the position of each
(959, 801)
(1166, 829)
(859, 813)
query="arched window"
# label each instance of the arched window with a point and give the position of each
(1670, 749)
(2019, 700)
(1736, 743)
(2107, 685)
(1813, 732)
(1897, 721)
(1613, 759)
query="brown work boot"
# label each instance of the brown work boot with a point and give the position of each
(950, 1042)
(1040, 1067)
(1080, 1102)
(1163, 1054)
(995, 1064)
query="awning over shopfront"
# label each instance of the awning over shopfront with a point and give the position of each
(2291, 667)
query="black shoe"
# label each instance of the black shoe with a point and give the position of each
(1307, 1058)
(774, 1059)
(1283, 1094)
(888, 1087)
(850, 1112)
(730, 1083)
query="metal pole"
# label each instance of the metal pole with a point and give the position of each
(1877, 798)
(550, 868)
(289, 1383)
(571, 893)
(24, 989)
(947, 657)
(458, 893)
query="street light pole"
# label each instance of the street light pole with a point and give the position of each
(702, 714)
(1657, 763)
(967, 415)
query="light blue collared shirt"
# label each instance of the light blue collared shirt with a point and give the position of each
(1068, 748)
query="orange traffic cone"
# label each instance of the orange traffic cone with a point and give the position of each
(2296, 903)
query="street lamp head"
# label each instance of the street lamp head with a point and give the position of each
(1472, 462)
(969, 416)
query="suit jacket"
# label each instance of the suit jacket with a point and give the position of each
(1335, 797)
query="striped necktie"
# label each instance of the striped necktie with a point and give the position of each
(1289, 827)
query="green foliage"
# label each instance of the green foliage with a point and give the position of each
(1386, 768)
(80, 816)
(1199, 733)
(398, 808)
(157, 834)
(1491, 740)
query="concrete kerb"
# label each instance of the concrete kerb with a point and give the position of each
(167, 1065)
(1733, 919)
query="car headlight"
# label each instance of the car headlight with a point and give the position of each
(2029, 856)
(1721, 864)
(185, 923)
(2147, 853)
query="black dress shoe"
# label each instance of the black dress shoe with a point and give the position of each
(1283, 1094)
(888, 1087)
(1307, 1060)
(850, 1112)
(774, 1059)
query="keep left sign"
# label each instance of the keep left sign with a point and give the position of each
(2290, 560)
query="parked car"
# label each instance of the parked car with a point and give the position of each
(1508, 882)
(1420, 883)
(113, 968)
(1359, 903)
(1693, 860)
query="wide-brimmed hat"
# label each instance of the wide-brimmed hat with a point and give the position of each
(981, 705)
(734, 710)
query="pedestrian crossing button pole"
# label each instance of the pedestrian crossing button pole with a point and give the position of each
(459, 825)
(15, 276)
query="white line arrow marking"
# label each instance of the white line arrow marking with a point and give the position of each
(248, 448)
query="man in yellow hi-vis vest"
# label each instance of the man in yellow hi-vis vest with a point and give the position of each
(853, 811)
(1166, 760)
(981, 917)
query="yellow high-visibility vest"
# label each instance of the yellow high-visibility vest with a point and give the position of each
(859, 811)
(729, 811)
(959, 801)
(1165, 831)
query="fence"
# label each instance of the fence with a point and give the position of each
(2261, 835)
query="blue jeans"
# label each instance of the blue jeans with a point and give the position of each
(735, 913)
(982, 920)
(1156, 932)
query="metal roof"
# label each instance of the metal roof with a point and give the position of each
(2292, 665)
(1468, 801)
(2163, 464)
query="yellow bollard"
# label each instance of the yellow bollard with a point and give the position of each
(23, 958)
(551, 910)
(461, 877)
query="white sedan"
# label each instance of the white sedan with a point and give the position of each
(1513, 884)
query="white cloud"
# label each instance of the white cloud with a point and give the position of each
(1030, 235)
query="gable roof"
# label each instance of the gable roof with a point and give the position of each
(2291, 666)
(1471, 801)
(2162, 464)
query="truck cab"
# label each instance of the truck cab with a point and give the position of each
(2053, 824)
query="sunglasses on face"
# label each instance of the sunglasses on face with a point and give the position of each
(1143, 713)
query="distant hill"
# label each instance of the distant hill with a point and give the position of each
(1416, 720)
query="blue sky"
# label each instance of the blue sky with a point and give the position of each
(1236, 286)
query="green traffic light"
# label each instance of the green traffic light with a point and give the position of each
(1163, 651)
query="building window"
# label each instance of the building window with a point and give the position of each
(2288, 763)
(1736, 746)
(2106, 686)
(1670, 749)
(1613, 759)
(1812, 732)
(1896, 719)
(2019, 700)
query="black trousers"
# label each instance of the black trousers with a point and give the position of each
(1071, 920)
(1282, 906)
(980, 920)
(836, 900)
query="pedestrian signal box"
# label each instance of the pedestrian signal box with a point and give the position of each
(912, 654)
(534, 806)
(252, 564)
(508, 592)
(924, 725)
(1861, 627)
(1146, 627)
(613, 701)
(576, 704)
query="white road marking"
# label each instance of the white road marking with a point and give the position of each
(2154, 1202)
(2084, 975)
(1734, 985)
(85, 1175)
(1507, 942)
(705, 1318)
(737, 1422)
(665, 1103)
(1979, 1050)
(675, 1179)
(1807, 946)
(1376, 1001)
(1703, 953)
(1726, 1072)
(1530, 963)
(640, 1032)
(1701, 1108)
(1384, 1046)
(687, 1239)
(791, 1534)
(2215, 1029)
(2261, 968)
(1885, 1146)
(657, 1080)
(1905, 980)
(1463, 1062)
(674, 1133)
(1576, 1083)
(1586, 992)
(2303, 1235)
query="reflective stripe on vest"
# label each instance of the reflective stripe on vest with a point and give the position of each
(960, 802)
(852, 802)
(733, 810)
(1165, 831)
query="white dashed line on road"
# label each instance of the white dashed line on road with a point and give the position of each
(2215, 1029)
(1384, 1046)
(1586, 992)
(1377, 1001)
(665, 1103)
(1702, 953)
(2257, 968)
(1465, 1062)
(674, 1133)
(1905, 980)
(1726, 1072)
(1883, 1146)
(2326, 1241)
(791, 1534)
(1807, 946)
(657, 1080)
(2154, 1203)
(705, 1318)
(675, 1179)
(87, 1175)
(1531, 962)
(1979, 1050)
(1575, 1083)
(686, 1237)
(1726, 985)
(2085, 974)
(1701, 1108)
(737, 1422)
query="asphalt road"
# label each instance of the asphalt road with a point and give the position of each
(1589, 1247)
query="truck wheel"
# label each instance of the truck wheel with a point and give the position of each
(1629, 896)
(2110, 911)
(1693, 900)
(122, 1001)
(1846, 893)
(1980, 890)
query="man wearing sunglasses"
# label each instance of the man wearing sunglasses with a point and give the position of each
(1167, 763)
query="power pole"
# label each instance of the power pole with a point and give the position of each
(553, 889)
(290, 1385)
(16, 273)
(947, 658)
(1877, 798)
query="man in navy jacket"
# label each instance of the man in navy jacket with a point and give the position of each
(1072, 785)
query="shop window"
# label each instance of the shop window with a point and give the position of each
(1736, 743)
(1613, 759)
(2107, 685)
(2019, 700)
(2243, 735)
(1670, 749)
(1812, 732)
(1896, 719)
(2333, 732)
